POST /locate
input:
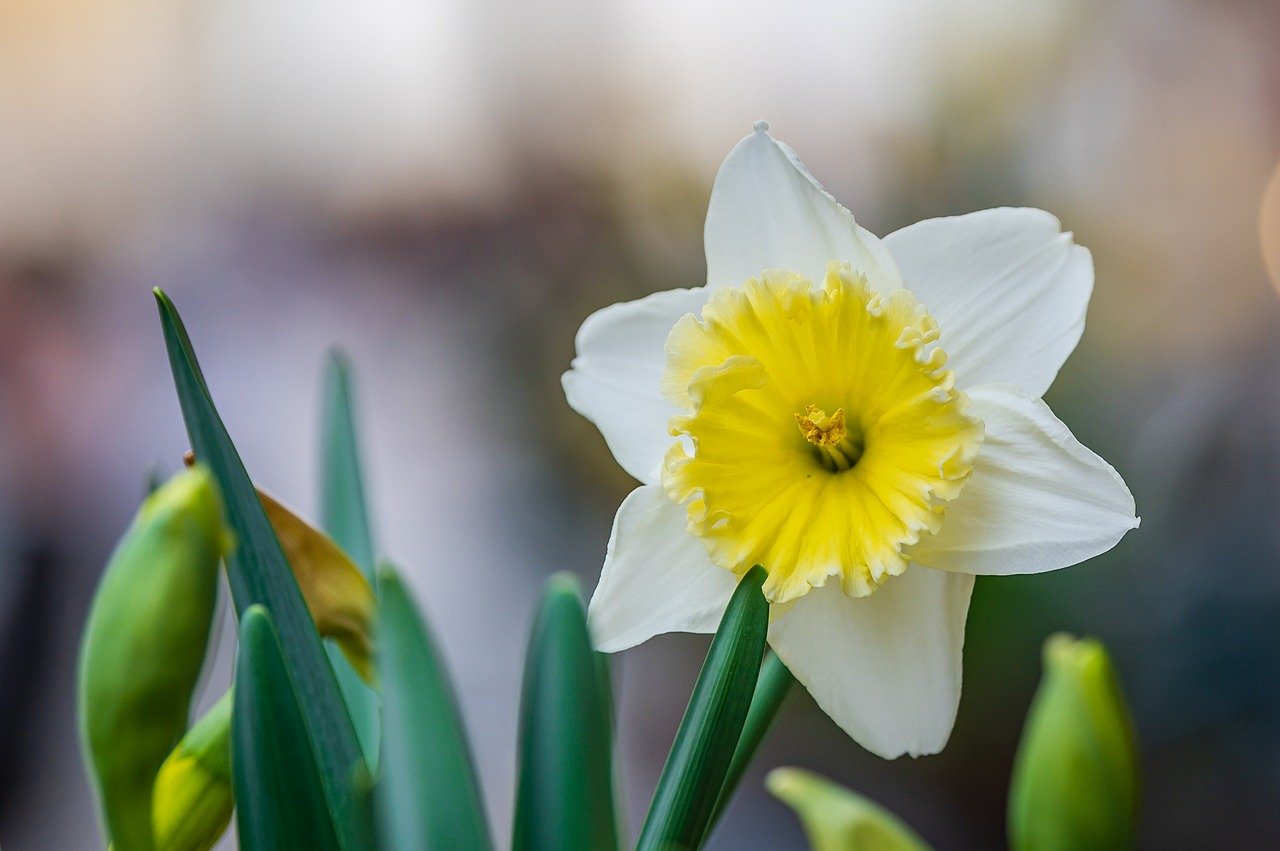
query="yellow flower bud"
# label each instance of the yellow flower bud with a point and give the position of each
(837, 819)
(1075, 780)
(144, 645)
(193, 796)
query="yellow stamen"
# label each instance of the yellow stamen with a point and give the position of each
(831, 439)
(820, 429)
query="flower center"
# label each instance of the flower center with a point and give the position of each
(836, 448)
(767, 476)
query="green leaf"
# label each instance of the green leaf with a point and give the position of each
(1075, 778)
(280, 800)
(343, 511)
(698, 764)
(772, 688)
(564, 797)
(837, 819)
(427, 796)
(259, 574)
(345, 517)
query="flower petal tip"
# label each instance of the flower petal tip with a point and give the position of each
(607, 637)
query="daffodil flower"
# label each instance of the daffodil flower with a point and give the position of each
(860, 416)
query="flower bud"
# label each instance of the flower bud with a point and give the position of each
(1075, 780)
(144, 645)
(193, 795)
(837, 819)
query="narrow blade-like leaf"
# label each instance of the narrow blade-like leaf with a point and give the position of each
(259, 574)
(345, 517)
(699, 760)
(772, 688)
(427, 796)
(564, 797)
(343, 511)
(280, 801)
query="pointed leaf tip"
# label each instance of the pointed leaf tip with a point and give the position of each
(280, 800)
(344, 515)
(564, 584)
(564, 793)
(338, 359)
(428, 796)
(259, 573)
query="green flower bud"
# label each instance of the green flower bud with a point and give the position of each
(193, 798)
(1075, 780)
(144, 646)
(837, 819)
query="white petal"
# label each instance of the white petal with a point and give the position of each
(1038, 500)
(1008, 289)
(656, 577)
(616, 379)
(886, 667)
(767, 212)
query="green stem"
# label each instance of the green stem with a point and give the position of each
(771, 689)
(696, 767)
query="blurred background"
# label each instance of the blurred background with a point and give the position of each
(446, 189)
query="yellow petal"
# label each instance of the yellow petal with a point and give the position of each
(336, 592)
